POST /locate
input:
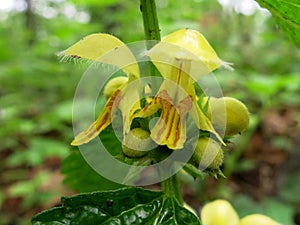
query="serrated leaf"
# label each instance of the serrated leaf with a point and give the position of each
(286, 13)
(123, 206)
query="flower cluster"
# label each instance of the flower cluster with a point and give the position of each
(181, 58)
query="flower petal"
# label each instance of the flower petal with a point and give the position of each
(188, 45)
(202, 121)
(196, 43)
(163, 55)
(104, 48)
(126, 98)
(170, 129)
(129, 103)
(100, 124)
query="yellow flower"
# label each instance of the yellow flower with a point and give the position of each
(221, 212)
(170, 129)
(181, 57)
(95, 47)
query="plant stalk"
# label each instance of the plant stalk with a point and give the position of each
(150, 21)
(171, 188)
(152, 36)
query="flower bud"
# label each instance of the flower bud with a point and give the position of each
(257, 219)
(219, 212)
(136, 143)
(113, 85)
(229, 112)
(208, 153)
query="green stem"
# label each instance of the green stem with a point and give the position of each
(151, 27)
(171, 188)
(152, 34)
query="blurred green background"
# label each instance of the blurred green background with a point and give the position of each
(36, 93)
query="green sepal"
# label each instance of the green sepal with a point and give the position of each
(215, 173)
(193, 171)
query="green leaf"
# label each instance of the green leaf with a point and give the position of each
(81, 177)
(30, 190)
(286, 13)
(129, 205)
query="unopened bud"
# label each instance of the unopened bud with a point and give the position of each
(229, 113)
(113, 85)
(208, 153)
(136, 143)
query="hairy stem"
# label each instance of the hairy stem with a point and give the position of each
(151, 27)
(152, 35)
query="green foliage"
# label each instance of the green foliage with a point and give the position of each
(95, 2)
(81, 177)
(39, 150)
(124, 206)
(29, 190)
(274, 90)
(35, 112)
(287, 15)
(1, 199)
(274, 208)
(289, 191)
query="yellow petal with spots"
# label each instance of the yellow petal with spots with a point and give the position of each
(170, 129)
(100, 124)
(126, 99)
(178, 86)
(107, 49)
